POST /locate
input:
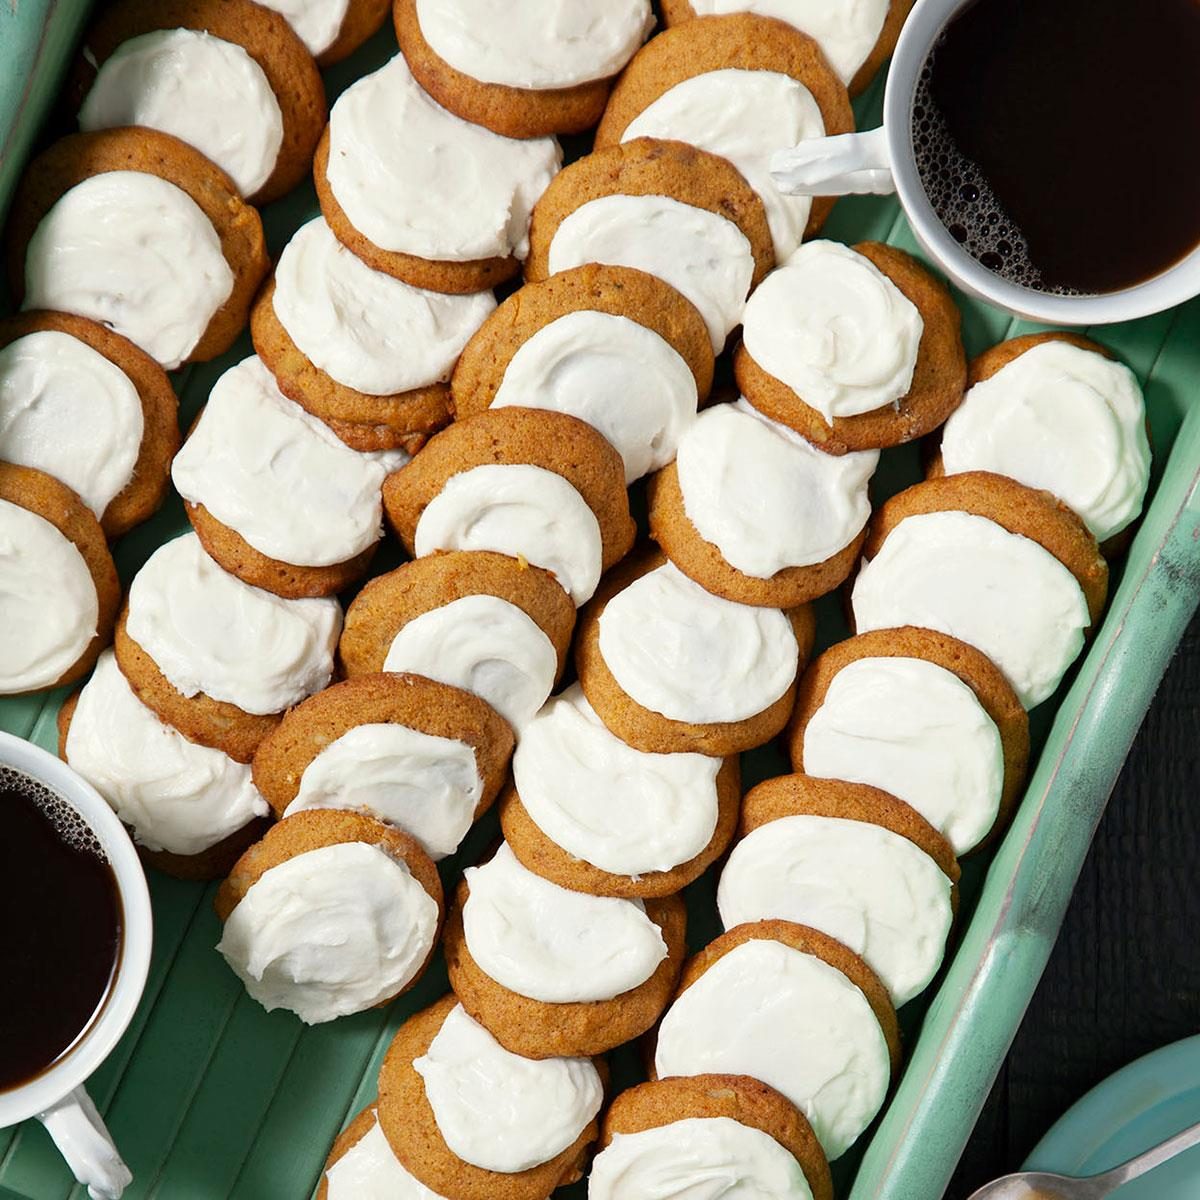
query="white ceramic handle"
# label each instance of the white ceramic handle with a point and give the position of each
(849, 164)
(82, 1140)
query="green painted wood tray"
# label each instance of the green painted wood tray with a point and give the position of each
(208, 1096)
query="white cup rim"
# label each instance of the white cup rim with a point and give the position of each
(133, 964)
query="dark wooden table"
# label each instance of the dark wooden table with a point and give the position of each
(1124, 977)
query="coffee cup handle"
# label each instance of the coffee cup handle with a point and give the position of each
(79, 1133)
(848, 164)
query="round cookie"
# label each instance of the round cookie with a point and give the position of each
(938, 380)
(516, 112)
(646, 729)
(381, 1169)
(80, 157)
(517, 437)
(57, 506)
(264, 35)
(329, 43)
(738, 1098)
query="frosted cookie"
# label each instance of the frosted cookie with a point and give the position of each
(142, 234)
(360, 349)
(330, 914)
(275, 496)
(192, 810)
(217, 658)
(794, 1008)
(362, 1166)
(755, 513)
(615, 347)
(853, 862)
(88, 407)
(331, 29)
(419, 193)
(524, 69)
(1056, 411)
(540, 486)
(856, 36)
(473, 1121)
(670, 667)
(470, 618)
(550, 971)
(1007, 569)
(227, 77)
(741, 87)
(856, 348)
(419, 755)
(593, 814)
(681, 1137)
(923, 716)
(59, 590)
(681, 214)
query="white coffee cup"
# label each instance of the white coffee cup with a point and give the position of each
(57, 1097)
(882, 160)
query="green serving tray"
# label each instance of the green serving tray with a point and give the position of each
(208, 1096)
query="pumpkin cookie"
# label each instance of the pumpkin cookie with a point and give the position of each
(925, 716)
(471, 1120)
(550, 971)
(1010, 570)
(332, 31)
(681, 214)
(612, 346)
(178, 260)
(541, 486)
(740, 86)
(373, 893)
(670, 667)
(58, 585)
(361, 1163)
(510, 68)
(419, 755)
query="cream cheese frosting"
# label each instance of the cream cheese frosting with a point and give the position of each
(484, 645)
(365, 329)
(174, 794)
(834, 328)
(704, 256)
(316, 23)
(48, 599)
(692, 656)
(554, 44)
(767, 498)
(623, 379)
(416, 179)
(330, 932)
(878, 893)
(370, 1170)
(697, 1158)
(497, 1110)
(744, 116)
(69, 411)
(915, 730)
(791, 1020)
(201, 89)
(620, 809)
(552, 944)
(1065, 419)
(135, 253)
(522, 511)
(964, 575)
(429, 786)
(209, 632)
(279, 477)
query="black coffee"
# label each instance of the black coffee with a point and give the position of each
(1059, 140)
(60, 927)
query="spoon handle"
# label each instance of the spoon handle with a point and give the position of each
(1151, 1158)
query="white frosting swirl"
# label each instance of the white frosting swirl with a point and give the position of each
(964, 575)
(692, 656)
(624, 380)
(135, 253)
(67, 410)
(416, 179)
(834, 328)
(370, 1170)
(316, 23)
